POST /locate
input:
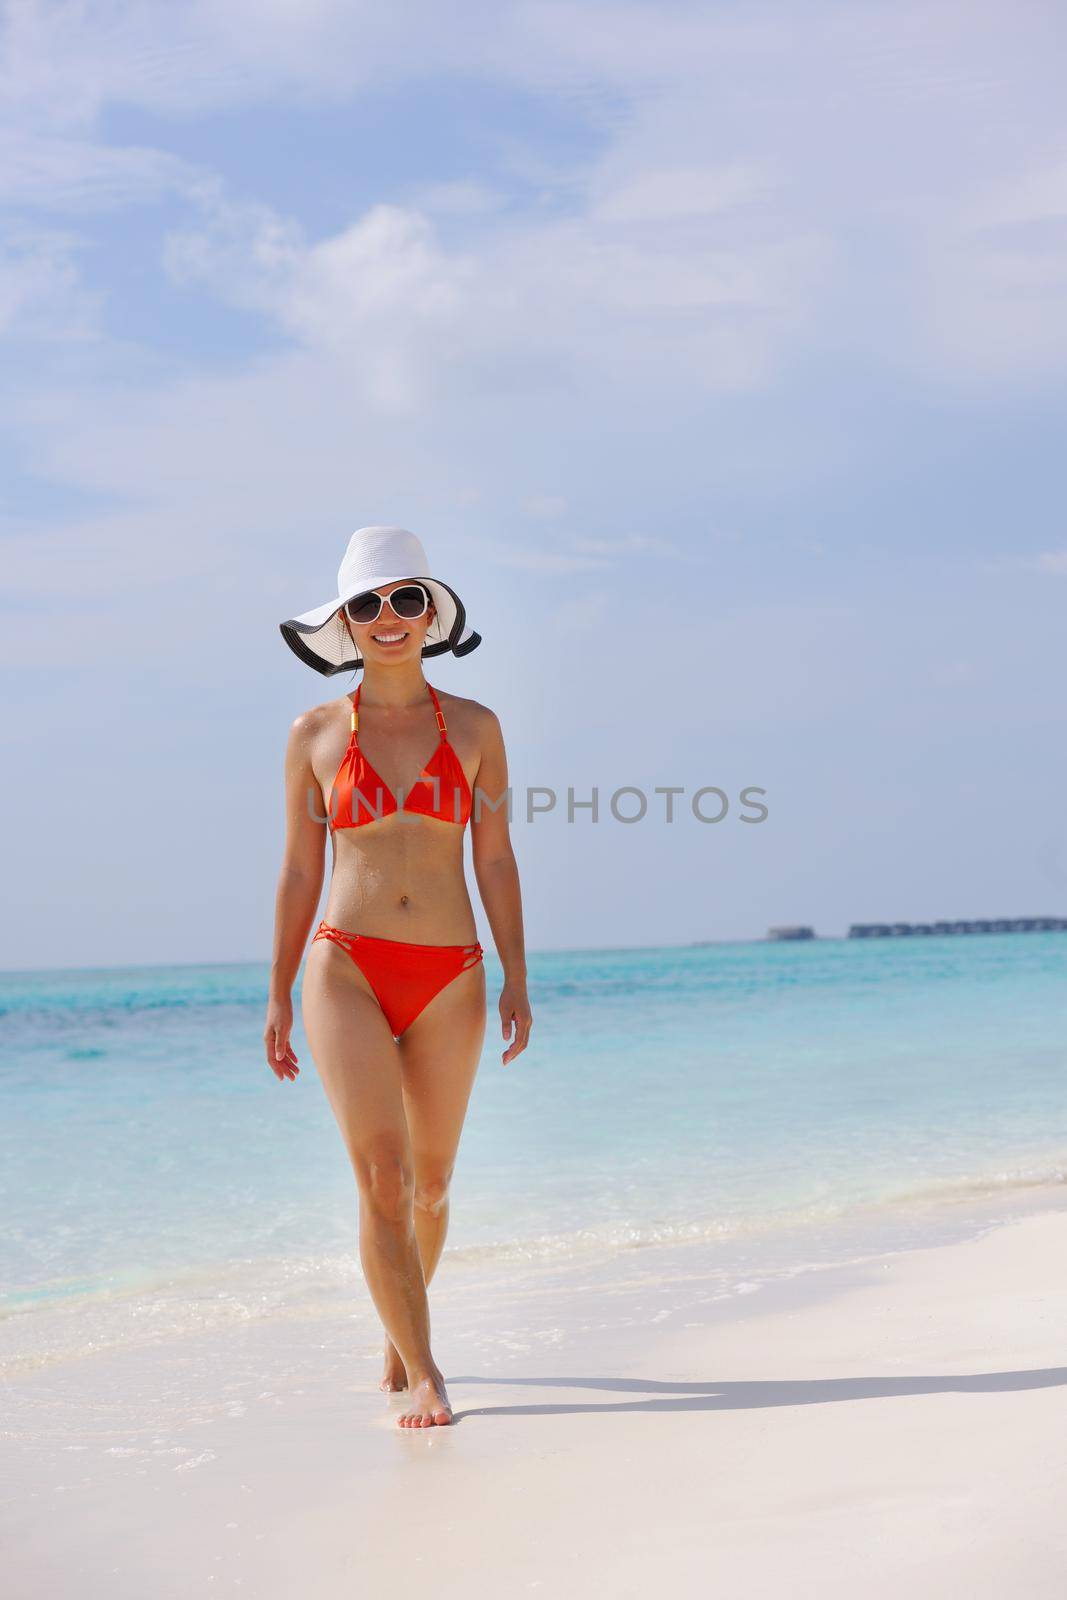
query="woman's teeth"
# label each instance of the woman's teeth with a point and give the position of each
(388, 638)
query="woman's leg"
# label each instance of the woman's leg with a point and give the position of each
(439, 1055)
(359, 1064)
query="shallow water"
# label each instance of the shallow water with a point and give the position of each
(155, 1175)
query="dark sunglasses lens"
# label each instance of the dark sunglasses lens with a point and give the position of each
(408, 602)
(364, 608)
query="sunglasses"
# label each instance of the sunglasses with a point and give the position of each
(409, 602)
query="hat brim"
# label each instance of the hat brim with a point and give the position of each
(321, 640)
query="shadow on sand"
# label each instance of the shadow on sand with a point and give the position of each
(752, 1395)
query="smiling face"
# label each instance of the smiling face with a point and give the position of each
(391, 636)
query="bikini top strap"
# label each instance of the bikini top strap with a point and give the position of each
(437, 708)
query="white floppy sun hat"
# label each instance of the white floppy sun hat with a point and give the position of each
(375, 556)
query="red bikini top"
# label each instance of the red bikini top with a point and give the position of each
(359, 796)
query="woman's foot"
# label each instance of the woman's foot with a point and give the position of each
(395, 1376)
(429, 1405)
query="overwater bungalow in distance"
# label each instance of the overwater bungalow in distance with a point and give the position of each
(902, 930)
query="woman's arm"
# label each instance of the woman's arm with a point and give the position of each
(297, 898)
(498, 884)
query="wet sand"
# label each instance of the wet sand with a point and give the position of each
(892, 1426)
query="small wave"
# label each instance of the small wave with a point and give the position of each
(983, 1185)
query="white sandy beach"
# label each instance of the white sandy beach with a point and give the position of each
(892, 1427)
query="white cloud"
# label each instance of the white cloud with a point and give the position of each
(996, 280)
(552, 296)
(543, 507)
(659, 196)
(1031, 197)
(81, 177)
(760, 189)
(533, 558)
(624, 543)
(575, 552)
(761, 182)
(465, 197)
(42, 298)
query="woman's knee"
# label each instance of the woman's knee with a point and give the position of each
(386, 1179)
(431, 1191)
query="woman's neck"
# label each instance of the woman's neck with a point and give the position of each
(396, 687)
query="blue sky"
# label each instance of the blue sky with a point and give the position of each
(717, 353)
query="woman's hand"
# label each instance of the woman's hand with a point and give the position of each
(515, 1008)
(280, 1057)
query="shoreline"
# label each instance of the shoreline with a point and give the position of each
(210, 1297)
(895, 1417)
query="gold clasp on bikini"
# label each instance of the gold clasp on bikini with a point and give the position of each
(355, 719)
(441, 722)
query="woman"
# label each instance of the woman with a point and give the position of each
(393, 996)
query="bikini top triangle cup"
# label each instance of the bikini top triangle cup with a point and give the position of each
(359, 796)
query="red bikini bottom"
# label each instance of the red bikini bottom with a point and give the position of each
(404, 977)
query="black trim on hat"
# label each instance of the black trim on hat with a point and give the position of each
(470, 644)
(292, 632)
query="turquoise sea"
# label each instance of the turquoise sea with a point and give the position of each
(155, 1175)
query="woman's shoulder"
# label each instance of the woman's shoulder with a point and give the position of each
(471, 713)
(310, 724)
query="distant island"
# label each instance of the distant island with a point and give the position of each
(905, 930)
